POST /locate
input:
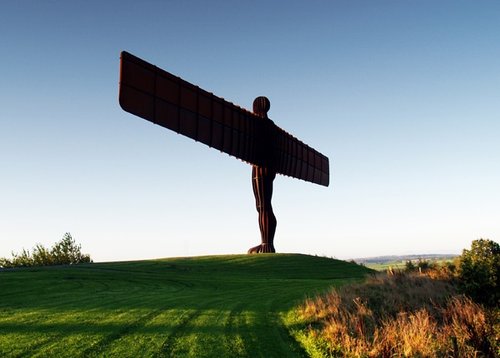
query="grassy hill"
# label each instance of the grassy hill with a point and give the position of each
(214, 306)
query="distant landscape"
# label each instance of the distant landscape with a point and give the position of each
(399, 261)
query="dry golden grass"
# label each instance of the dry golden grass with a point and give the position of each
(400, 315)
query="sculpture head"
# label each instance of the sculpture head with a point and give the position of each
(261, 106)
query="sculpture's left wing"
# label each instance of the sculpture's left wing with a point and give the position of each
(296, 159)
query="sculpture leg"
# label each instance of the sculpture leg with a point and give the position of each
(262, 183)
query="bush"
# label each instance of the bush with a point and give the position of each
(421, 265)
(21, 260)
(410, 266)
(479, 271)
(64, 252)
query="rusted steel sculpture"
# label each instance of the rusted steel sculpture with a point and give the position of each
(167, 100)
(262, 184)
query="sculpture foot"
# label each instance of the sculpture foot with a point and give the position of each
(262, 248)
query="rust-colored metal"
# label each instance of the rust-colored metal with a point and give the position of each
(167, 100)
(262, 185)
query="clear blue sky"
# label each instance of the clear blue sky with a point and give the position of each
(402, 96)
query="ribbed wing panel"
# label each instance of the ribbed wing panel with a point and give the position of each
(167, 100)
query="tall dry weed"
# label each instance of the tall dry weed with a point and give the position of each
(468, 325)
(400, 315)
(408, 335)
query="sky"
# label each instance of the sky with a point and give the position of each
(402, 96)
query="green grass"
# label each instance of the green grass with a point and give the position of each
(214, 306)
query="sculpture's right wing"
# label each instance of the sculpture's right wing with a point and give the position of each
(171, 102)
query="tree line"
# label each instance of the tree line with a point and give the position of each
(64, 252)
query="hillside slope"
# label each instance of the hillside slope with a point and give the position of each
(213, 306)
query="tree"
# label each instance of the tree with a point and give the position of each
(22, 260)
(42, 256)
(479, 271)
(64, 252)
(67, 252)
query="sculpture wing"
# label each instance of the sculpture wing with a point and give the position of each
(296, 159)
(167, 100)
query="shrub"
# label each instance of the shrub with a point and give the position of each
(5, 263)
(421, 265)
(64, 252)
(410, 266)
(22, 260)
(479, 271)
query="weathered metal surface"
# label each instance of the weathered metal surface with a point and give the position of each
(171, 102)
